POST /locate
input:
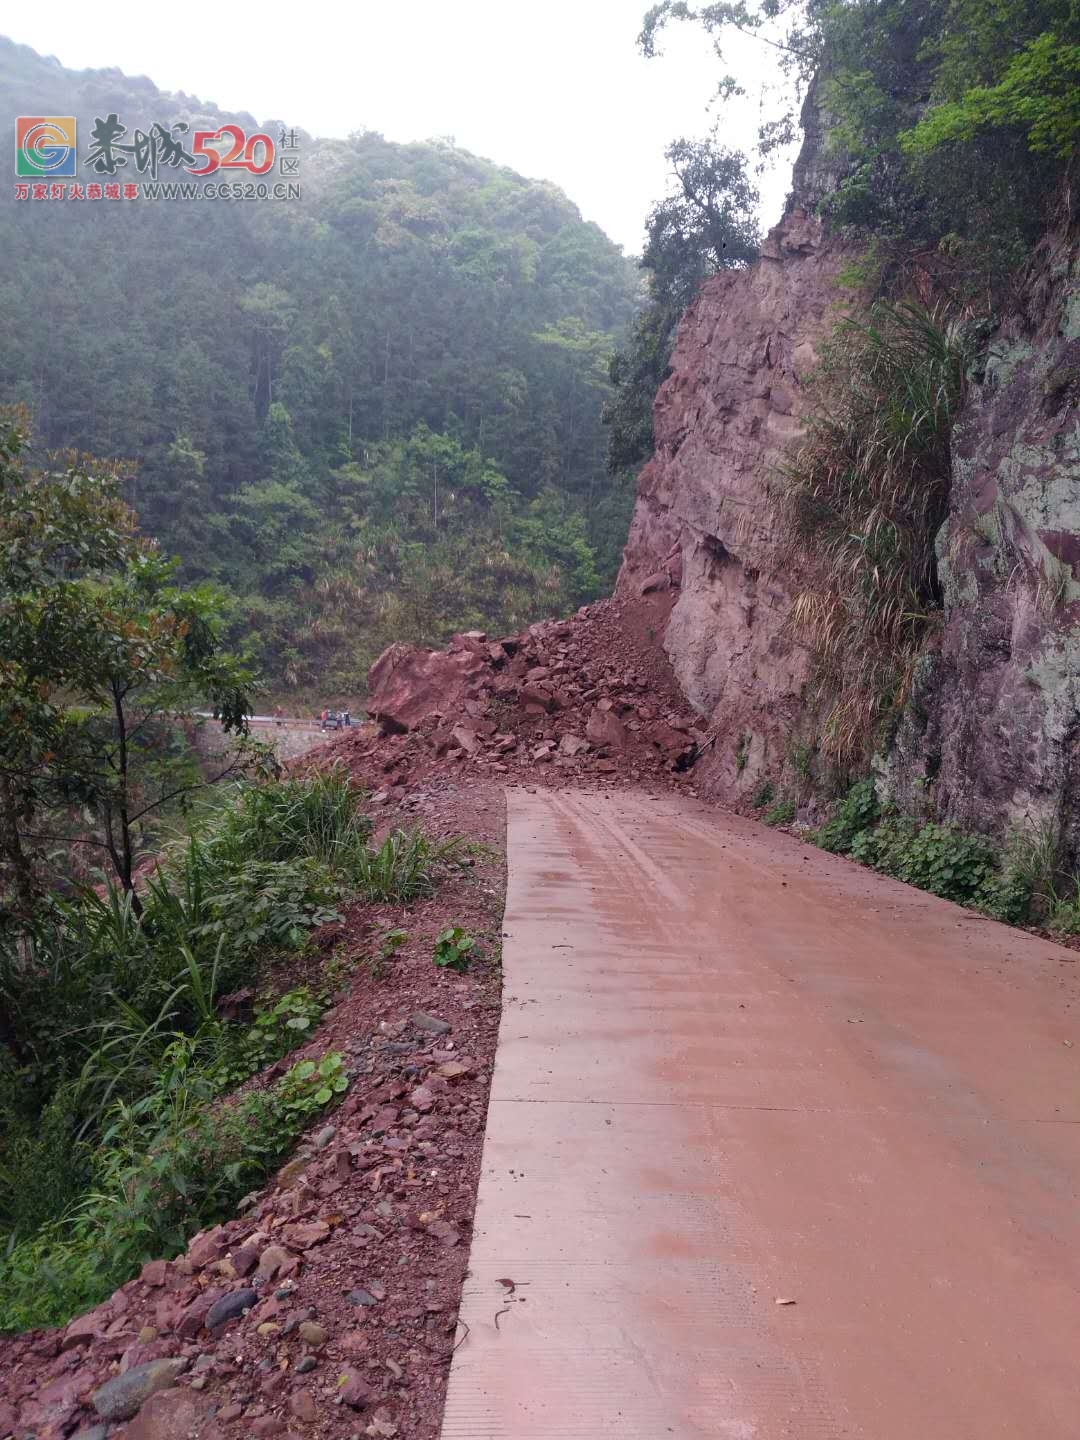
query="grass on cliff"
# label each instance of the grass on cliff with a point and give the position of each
(865, 493)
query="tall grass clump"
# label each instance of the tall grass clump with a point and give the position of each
(406, 866)
(865, 494)
(316, 818)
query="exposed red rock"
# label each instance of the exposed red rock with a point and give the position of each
(409, 684)
(588, 696)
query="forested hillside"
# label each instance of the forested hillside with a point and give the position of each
(370, 413)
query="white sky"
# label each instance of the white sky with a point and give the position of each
(556, 90)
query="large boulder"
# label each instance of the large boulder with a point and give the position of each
(605, 728)
(408, 685)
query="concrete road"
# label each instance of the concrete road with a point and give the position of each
(734, 1072)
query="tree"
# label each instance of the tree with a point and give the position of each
(100, 651)
(706, 223)
(950, 126)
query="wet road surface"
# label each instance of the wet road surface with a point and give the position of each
(733, 1071)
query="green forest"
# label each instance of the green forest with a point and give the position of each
(372, 413)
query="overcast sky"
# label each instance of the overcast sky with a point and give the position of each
(556, 90)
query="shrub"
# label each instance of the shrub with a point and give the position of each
(316, 818)
(44, 1167)
(782, 813)
(856, 812)
(116, 1139)
(276, 1030)
(763, 795)
(945, 861)
(166, 1166)
(270, 903)
(453, 948)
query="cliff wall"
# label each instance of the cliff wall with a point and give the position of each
(723, 421)
(991, 735)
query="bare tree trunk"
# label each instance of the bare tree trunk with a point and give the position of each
(122, 854)
(22, 871)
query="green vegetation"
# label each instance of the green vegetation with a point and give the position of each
(782, 812)
(970, 869)
(120, 1136)
(453, 948)
(372, 413)
(938, 858)
(951, 123)
(857, 812)
(403, 867)
(100, 651)
(1017, 69)
(707, 223)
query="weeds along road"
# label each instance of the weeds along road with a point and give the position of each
(776, 1148)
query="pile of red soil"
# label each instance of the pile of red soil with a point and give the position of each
(589, 698)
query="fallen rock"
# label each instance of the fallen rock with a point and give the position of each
(84, 1328)
(360, 1296)
(465, 738)
(268, 1425)
(353, 1388)
(194, 1317)
(408, 685)
(302, 1405)
(605, 728)
(121, 1397)
(54, 1405)
(244, 1260)
(444, 1232)
(304, 1235)
(229, 1307)
(454, 1069)
(572, 745)
(537, 699)
(660, 580)
(176, 1414)
(271, 1260)
(207, 1247)
(289, 1174)
(431, 1024)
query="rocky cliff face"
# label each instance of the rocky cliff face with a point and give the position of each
(723, 422)
(993, 731)
(991, 737)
